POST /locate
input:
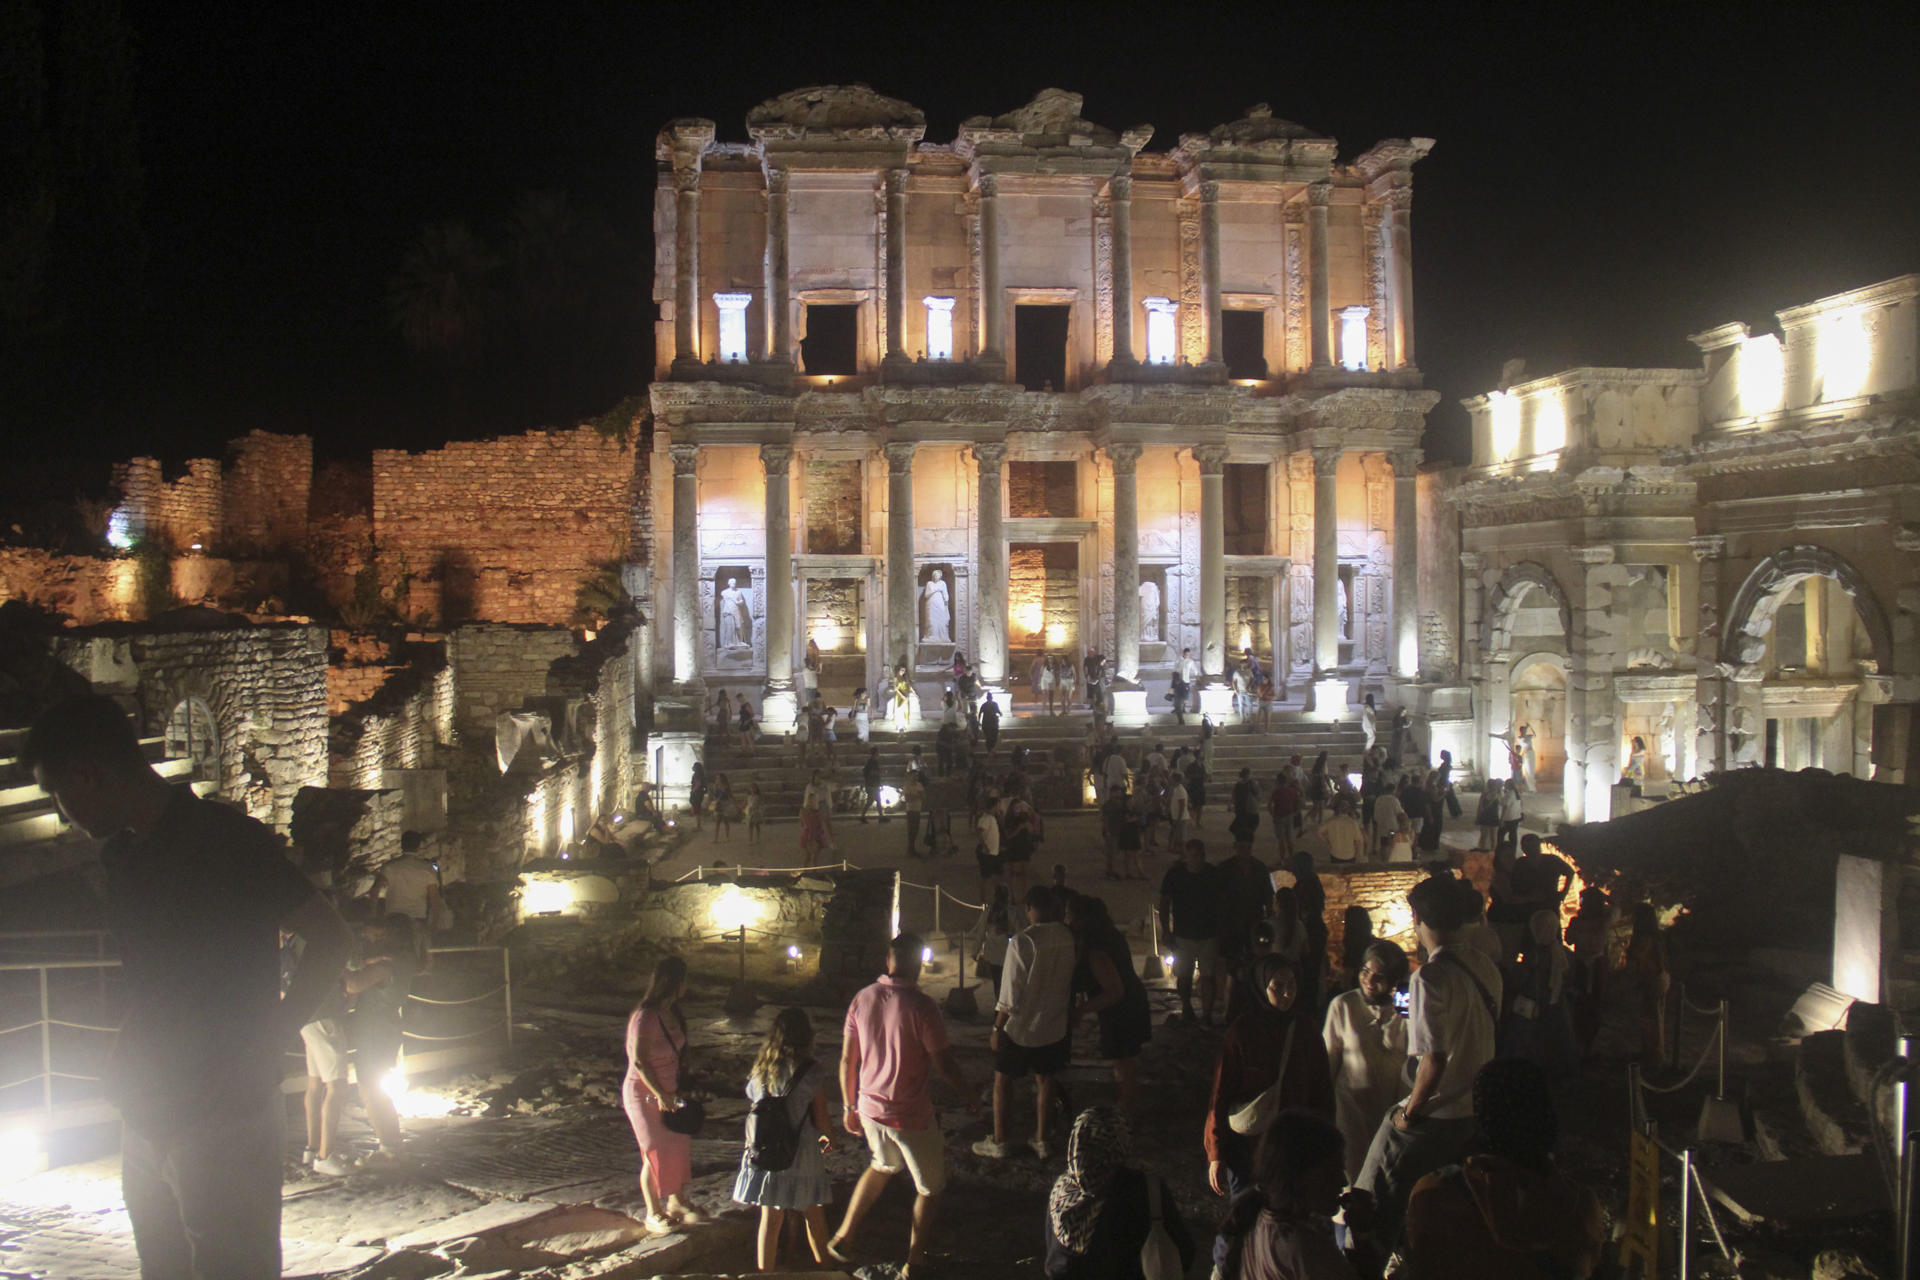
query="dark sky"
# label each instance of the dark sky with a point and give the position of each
(1602, 186)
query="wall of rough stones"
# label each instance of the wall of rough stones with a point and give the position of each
(266, 687)
(496, 668)
(87, 589)
(831, 490)
(265, 490)
(503, 530)
(406, 723)
(185, 511)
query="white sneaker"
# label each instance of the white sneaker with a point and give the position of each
(333, 1167)
(1042, 1148)
(992, 1150)
(306, 1157)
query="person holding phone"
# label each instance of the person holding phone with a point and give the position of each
(1366, 1036)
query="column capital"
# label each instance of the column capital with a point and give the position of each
(896, 182)
(1708, 546)
(990, 456)
(1319, 194)
(1120, 186)
(684, 456)
(776, 458)
(776, 181)
(899, 456)
(1209, 191)
(1326, 461)
(686, 178)
(1211, 457)
(1472, 561)
(989, 185)
(1406, 463)
(1593, 556)
(1124, 458)
(1398, 199)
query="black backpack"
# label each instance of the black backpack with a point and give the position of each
(773, 1139)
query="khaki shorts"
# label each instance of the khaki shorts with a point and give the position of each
(326, 1042)
(1196, 954)
(921, 1152)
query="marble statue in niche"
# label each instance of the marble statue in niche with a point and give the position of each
(938, 602)
(736, 617)
(1150, 611)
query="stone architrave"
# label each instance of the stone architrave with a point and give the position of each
(1320, 289)
(778, 460)
(1406, 568)
(936, 604)
(1129, 610)
(901, 592)
(686, 563)
(1212, 459)
(990, 620)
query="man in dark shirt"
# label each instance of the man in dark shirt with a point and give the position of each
(197, 895)
(1192, 902)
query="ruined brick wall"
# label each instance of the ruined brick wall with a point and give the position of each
(831, 492)
(265, 685)
(266, 485)
(87, 589)
(184, 512)
(1043, 488)
(496, 668)
(503, 530)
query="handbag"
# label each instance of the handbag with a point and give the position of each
(686, 1118)
(1159, 1256)
(1257, 1116)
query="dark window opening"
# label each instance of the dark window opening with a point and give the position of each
(1040, 347)
(832, 344)
(1243, 341)
(1038, 489)
(1244, 486)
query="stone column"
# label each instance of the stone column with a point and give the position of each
(990, 564)
(779, 317)
(896, 264)
(903, 631)
(1210, 267)
(686, 564)
(1472, 668)
(1592, 719)
(993, 296)
(1122, 203)
(1400, 210)
(1320, 288)
(780, 705)
(1213, 561)
(1406, 565)
(686, 266)
(1126, 561)
(1712, 709)
(1329, 690)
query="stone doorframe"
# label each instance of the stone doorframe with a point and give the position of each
(1495, 698)
(1276, 569)
(873, 620)
(1084, 535)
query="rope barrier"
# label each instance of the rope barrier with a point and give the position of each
(485, 995)
(25, 1026)
(79, 1026)
(1712, 1040)
(1708, 1011)
(414, 1035)
(730, 870)
(32, 1079)
(958, 902)
(67, 1075)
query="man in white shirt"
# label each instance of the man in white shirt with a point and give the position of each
(987, 850)
(1389, 819)
(1115, 770)
(1030, 1025)
(1366, 1042)
(1190, 672)
(1450, 1032)
(1179, 809)
(408, 885)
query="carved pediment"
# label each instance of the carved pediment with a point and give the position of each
(1051, 120)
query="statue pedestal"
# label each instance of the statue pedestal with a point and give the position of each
(1328, 699)
(1216, 701)
(779, 709)
(1129, 703)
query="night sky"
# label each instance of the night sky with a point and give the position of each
(1602, 185)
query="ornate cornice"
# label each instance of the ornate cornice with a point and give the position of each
(1708, 546)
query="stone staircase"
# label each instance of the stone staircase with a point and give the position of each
(1056, 754)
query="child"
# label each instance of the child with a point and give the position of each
(753, 813)
(786, 1067)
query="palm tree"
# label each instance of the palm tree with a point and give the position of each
(442, 302)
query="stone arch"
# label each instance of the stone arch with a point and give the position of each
(165, 689)
(1512, 588)
(193, 732)
(1751, 618)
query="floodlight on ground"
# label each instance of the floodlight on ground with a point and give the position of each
(22, 1152)
(542, 897)
(889, 796)
(733, 910)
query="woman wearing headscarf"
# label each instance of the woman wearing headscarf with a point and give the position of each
(1505, 1212)
(1099, 1213)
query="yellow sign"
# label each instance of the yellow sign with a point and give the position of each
(1642, 1238)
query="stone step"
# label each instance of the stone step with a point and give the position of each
(1833, 1116)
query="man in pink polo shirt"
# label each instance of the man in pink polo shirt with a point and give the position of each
(894, 1039)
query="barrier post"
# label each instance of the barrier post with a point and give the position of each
(1686, 1213)
(46, 1050)
(936, 905)
(506, 980)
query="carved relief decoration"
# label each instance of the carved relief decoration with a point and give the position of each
(880, 281)
(1294, 229)
(1379, 251)
(1193, 337)
(1767, 587)
(975, 271)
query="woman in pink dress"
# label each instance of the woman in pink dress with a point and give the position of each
(656, 1037)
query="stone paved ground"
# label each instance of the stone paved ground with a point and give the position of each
(545, 1187)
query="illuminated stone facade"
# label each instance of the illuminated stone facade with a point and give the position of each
(976, 394)
(1721, 562)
